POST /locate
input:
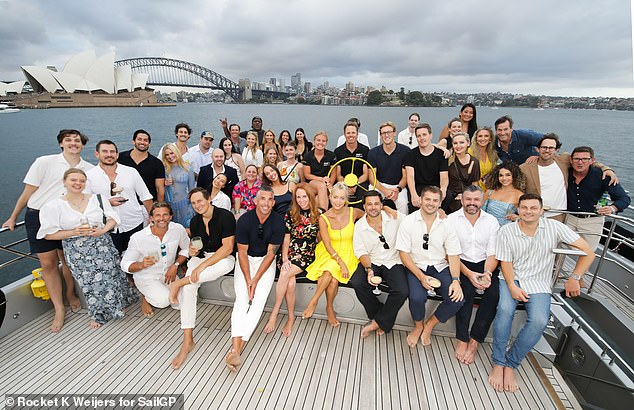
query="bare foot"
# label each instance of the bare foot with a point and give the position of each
(469, 356)
(332, 317)
(94, 325)
(510, 384)
(380, 332)
(233, 360)
(413, 336)
(270, 325)
(173, 297)
(74, 302)
(182, 355)
(146, 308)
(369, 328)
(288, 327)
(308, 312)
(425, 337)
(461, 349)
(496, 378)
(58, 321)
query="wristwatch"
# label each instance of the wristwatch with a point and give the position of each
(455, 278)
(575, 276)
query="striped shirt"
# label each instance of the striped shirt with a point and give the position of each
(532, 257)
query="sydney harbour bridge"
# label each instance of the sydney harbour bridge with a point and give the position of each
(178, 73)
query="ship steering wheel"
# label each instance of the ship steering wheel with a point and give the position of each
(351, 180)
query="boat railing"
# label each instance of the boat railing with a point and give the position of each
(10, 247)
(614, 242)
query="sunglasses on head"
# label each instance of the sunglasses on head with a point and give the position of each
(384, 242)
(426, 241)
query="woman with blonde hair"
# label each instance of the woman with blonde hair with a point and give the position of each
(483, 149)
(252, 154)
(179, 180)
(317, 164)
(334, 261)
(82, 222)
(298, 251)
(464, 170)
(268, 141)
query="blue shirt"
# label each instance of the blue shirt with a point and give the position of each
(389, 168)
(584, 196)
(523, 145)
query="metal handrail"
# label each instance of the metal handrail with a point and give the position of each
(9, 248)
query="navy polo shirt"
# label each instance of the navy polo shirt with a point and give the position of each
(258, 236)
(389, 168)
(320, 168)
(342, 152)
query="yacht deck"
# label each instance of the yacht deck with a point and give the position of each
(318, 367)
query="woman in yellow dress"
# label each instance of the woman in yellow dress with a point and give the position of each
(334, 255)
(483, 148)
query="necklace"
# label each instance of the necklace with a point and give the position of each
(75, 204)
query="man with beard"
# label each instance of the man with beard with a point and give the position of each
(121, 185)
(477, 233)
(149, 167)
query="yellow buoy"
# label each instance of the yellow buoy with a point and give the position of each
(38, 287)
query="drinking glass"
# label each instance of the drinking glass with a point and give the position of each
(197, 242)
(376, 281)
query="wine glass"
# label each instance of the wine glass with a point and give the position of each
(376, 281)
(435, 283)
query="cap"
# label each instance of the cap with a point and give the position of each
(207, 134)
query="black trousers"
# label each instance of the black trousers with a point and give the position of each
(486, 310)
(383, 314)
(121, 239)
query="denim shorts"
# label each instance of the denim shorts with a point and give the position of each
(32, 225)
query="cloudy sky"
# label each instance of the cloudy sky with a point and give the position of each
(563, 47)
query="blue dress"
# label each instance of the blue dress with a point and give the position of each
(176, 194)
(498, 209)
(94, 263)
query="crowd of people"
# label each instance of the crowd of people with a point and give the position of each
(459, 218)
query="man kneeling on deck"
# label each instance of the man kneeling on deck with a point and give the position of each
(477, 232)
(154, 255)
(427, 266)
(374, 244)
(525, 252)
(214, 230)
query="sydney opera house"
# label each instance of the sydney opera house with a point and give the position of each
(85, 81)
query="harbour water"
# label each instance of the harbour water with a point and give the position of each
(31, 133)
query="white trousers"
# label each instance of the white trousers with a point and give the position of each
(244, 320)
(188, 294)
(401, 201)
(155, 291)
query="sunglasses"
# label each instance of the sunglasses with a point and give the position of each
(163, 250)
(260, 231)
(384, 242)
(410, 140)
(426, 243)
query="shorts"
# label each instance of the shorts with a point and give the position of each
(32, 225)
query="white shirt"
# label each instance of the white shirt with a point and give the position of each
(198, 159)
(143, 243)
(552, 187)
(130, 212)
(533, 257)
(442, 241)
(249, 158)
(47, 174)
(58, 215)
(362, 139)
(476, 241)
(221, 200)
(366, 240)
(403, 138)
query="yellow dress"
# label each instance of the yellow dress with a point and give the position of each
(341, 241)
(485, 168)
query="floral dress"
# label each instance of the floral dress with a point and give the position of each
(246, 194)
(301, 249)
